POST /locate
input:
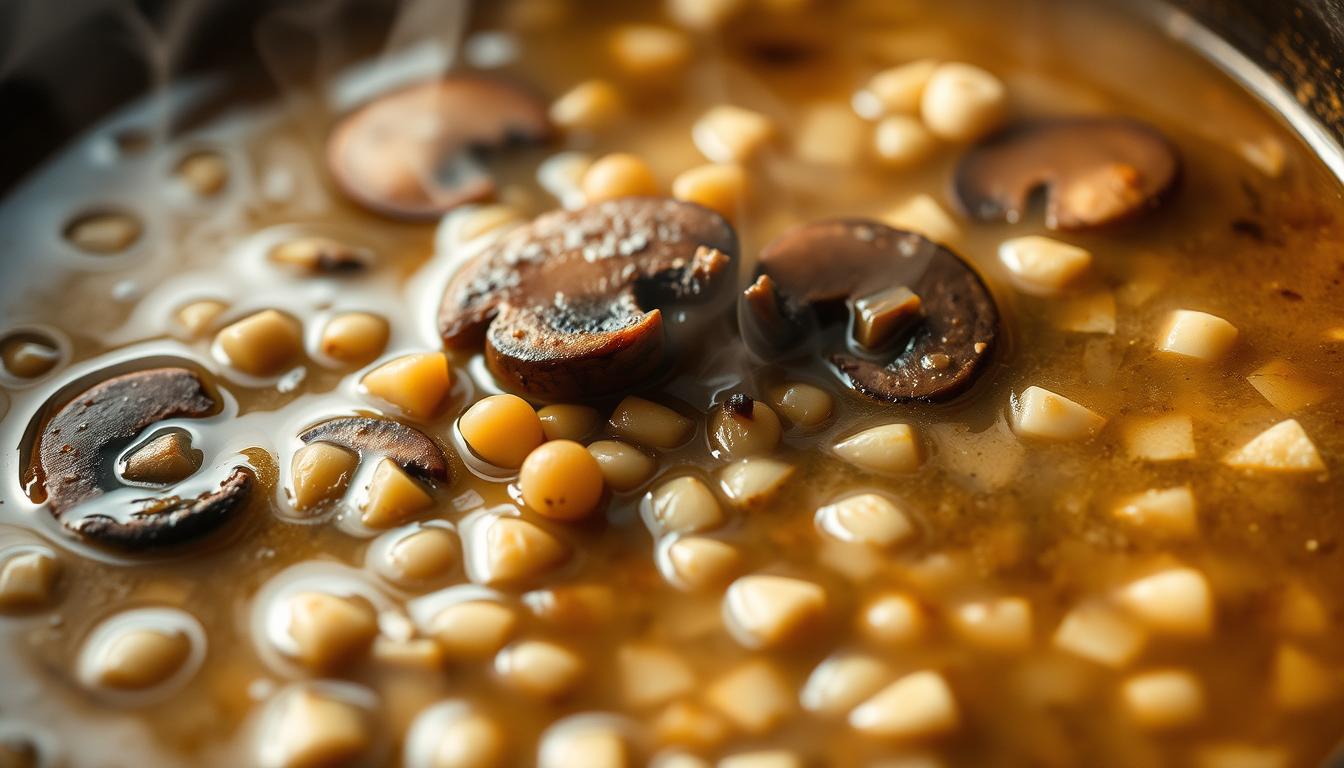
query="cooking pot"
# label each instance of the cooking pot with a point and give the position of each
(65, 64)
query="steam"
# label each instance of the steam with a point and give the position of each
(30, 27)
(435, 23)
(33, 28)
(160, 51)
(301, 46)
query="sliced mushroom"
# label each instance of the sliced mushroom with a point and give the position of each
(417, 153)
(171, 520)
(80, 443)
(938, 353)
(407, 446)
(569, 304)
(1095, 171)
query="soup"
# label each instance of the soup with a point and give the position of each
(738, 384)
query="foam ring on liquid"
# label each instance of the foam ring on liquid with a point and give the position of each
(270, 612)
(166, 620)
(59, 342)
(44, 746)
(425, 608)
(378, 558)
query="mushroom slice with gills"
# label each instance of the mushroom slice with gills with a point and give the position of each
(1094, 170)
(418, 152)
(79, 444)
(410, 448)
(569, 306)
(924, 322)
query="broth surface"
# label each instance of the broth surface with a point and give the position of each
(996, 515)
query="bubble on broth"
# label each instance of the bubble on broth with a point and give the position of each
(30, 574)
(31, 352)
(104, 232)
(204, 172)
(29, 744)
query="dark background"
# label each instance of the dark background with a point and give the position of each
(66, 63)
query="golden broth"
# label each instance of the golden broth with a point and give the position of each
(997, 516)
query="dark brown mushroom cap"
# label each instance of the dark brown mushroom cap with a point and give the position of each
(828, 262)
(415, 153)
(83, 438)
(364, 435)
(1095, 170)
(172, 520)
(568, 304)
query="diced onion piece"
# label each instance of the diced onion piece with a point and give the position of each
(730, 134)
(1177, 601)
(765, 611)
(1043, 414)
(918, 705)
(1300, 681)
(1099, 633)
(1163, 699)
(923, 214)
(1286, 388)
(1197, 335)
(1003, 624)
(1166, 511)
(840, 683)
(1169, 437)
(1283, 447)
(888, 448)
(753, 481)
(1043, 266)
(754, 696)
